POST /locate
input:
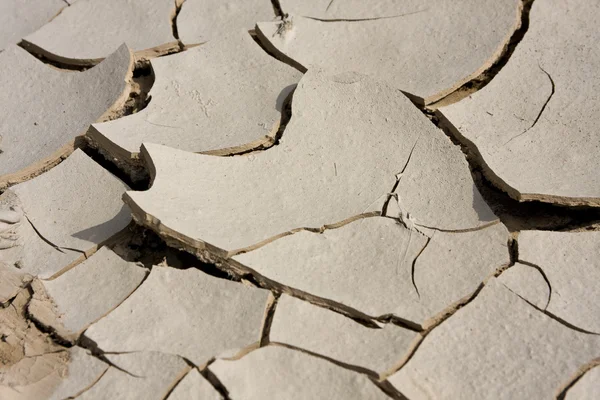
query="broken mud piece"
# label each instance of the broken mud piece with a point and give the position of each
(144, 375)
(88, 31)
(68, 213)
(12, 280)
(376, 267)
(32, 366)
(79, 371)
(184, 312)
(343, 151)
(104, 280)
(497, 347)
(529, 127)
(276, 372)
(45, 109)
(222, 98)
(19, 18)
(194, 387)
(200, 21)
(567, 268)
(428, 52)
(332, 335)
(587, 387)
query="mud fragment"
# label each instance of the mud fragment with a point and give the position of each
(147, 375)
(226, 205)
(225, 97)
(89, 30)
(426, 49)
(59, 228)
(276, 372)
(496, 346)
(184, 312)
(45, 109)
(527, 127)
(104, 280)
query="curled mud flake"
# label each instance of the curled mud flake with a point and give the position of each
(88, 31)
(525, 128)
(60, 107)
(412, 47)
(195, 96)
(63, 227)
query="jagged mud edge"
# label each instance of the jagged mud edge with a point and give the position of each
(212, 255)
(500, 51)
(39, 167)
(500, 183)
(146, 54)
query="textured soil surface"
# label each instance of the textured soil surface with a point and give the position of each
(286, 199)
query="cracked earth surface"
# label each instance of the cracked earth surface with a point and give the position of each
(321, 199)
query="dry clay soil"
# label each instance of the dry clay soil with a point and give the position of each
(286, 199)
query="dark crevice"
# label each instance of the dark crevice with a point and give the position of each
(352, 367)
(513, 249)
(541, 110)
(482, 80)
(216, 383)
(516, 215)
(174, 19)
(268, 319)
(141, 245)
(414, 263)
(88, 344)
(96, 155)
(552, 316)
(134, 174)
(277, 8)
(541, 271)
(53, 63)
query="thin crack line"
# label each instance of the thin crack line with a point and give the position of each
(541, 271)
(553, 316)
(475, 229)
(398, 178)
(365, 19)
(541, 110)
(414, 263)
(329, 5)
(57, 248)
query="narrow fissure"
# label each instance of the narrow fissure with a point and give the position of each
(554, 317)
(178, 5)
(541, 271)
(553, 89)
